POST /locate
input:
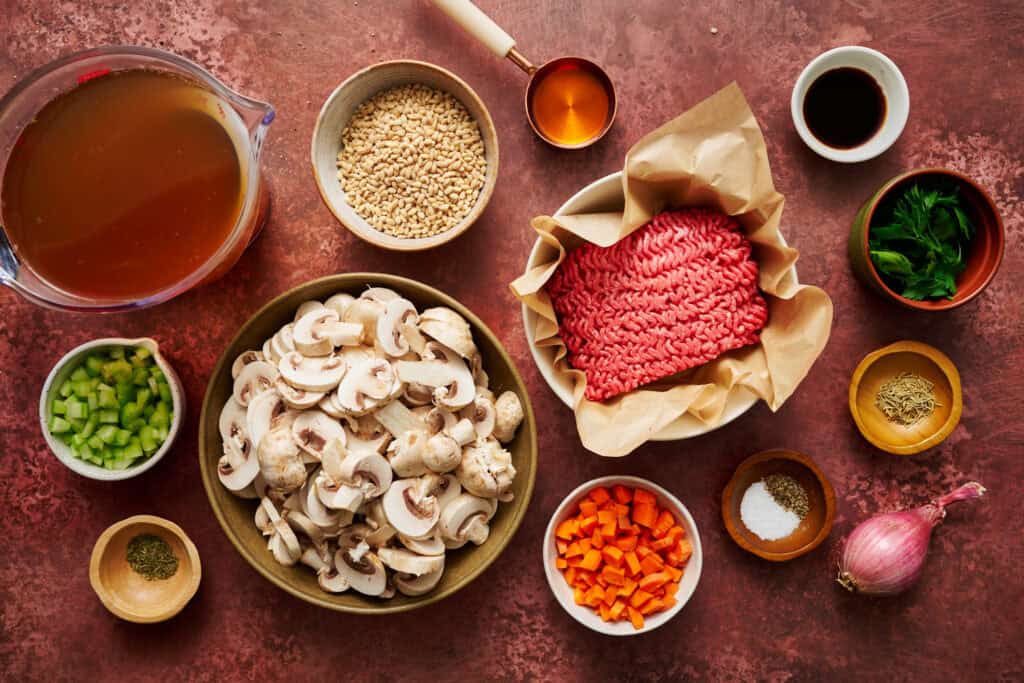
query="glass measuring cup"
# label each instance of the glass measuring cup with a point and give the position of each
(244, 120)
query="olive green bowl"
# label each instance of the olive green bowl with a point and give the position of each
(236, 514)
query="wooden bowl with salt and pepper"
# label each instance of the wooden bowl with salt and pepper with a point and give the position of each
(812, 529)
(885, 364)
(127, 593)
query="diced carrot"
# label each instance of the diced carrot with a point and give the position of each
(600, 495)
(642, 551)
(671, 589)
(601, 581)
(588, 508)
(578, 596)
(639, 597)
(627, 588)
(623, 522)
(605, 612)
(570, 575)
(567, 529)
(573, 550)
(613, 575)
(651, 564)
(588, 524)
(609, 594)
(652, 605)
(609, 529)
(626, 544)
(561, 546)
(621, 509)
(574, 562)
(605, 516)
(644, 514)
(663, 543)
(635, 618)
(677, 532)
(622, 494)
(584, 545)
(618, 607)
(632, 563)
(665, 522)
(612, 555)
(560, 563)
(668, 602)
(673, 573)
(642, 496)
(597, 540)
(591, 560)
(652, 582)
(585, 577)
(685, 549)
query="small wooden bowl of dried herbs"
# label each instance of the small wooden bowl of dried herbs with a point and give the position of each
(930, 239)
(144, 569)
(906, 397)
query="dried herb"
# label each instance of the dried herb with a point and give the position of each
(788, 493)
(922, 250)
(151, 557)
(906, 399)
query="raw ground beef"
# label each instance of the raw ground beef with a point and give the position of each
(676, 293)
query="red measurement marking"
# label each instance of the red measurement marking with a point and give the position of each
(84, 78)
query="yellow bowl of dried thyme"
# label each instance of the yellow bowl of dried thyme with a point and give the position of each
(906, 397)
(144, 569)
(405, 155)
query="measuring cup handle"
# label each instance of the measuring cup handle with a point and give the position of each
(477, 24)
(8, 264)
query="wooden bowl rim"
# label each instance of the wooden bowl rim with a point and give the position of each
(99, 552)
(779, 454)
(948, 369)
(989, 206)
(487, 131)
(399, 283)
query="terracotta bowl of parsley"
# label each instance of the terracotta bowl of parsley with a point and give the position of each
(930, 239)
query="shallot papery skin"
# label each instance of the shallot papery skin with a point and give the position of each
(885, 554)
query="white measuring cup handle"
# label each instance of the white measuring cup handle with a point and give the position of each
(477, 24)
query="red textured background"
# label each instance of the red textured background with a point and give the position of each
(749, 619)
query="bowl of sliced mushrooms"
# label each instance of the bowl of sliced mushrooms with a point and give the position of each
(367, 444)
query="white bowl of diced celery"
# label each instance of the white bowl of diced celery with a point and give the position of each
(111, 408)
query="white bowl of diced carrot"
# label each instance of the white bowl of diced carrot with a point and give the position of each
(622, 555)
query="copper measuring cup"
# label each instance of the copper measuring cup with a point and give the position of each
(480, 26)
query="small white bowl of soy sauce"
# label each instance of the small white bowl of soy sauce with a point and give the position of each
(850, 104)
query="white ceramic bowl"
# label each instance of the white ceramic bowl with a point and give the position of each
(886, 74)
(587, 615)
(605, 194)
(335, 115)
(62, 370)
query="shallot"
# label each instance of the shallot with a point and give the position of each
(885, 554)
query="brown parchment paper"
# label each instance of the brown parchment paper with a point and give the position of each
(713, 155)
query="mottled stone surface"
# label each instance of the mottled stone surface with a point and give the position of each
(749, 619)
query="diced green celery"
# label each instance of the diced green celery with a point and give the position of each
(95, 442)
(161, 416)
(76, 441)
(82, 388)
(58, 407)
(137, 424)
(121, 437)
(121, 463)
(93, 364)
(154, 387)
(90, 426)
(107, 396)
(58, 425)
(142, 353)
(79, 374)
(77, 425)
(85, 452)
(133, 449)
(139, 377)
(76, 409)
(147, 437)
(117, 371)
(156, 373)
(165, 392)
(125, 392)
(93, 401)
(142, 397)
(109, 417)
(148, 411)
(161, 434)
(128, 413)
(107, 432)
(116, 353)
(65, 389)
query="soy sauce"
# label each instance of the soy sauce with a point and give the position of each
(844, 107)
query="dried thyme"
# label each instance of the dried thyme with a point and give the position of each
(151, 557)
(906, 399)
(788, 493)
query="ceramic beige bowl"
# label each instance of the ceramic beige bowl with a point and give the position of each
(599, 196)
(588, 616)
(63, 369)
(127, 594)
(236, 514)
(338, 109)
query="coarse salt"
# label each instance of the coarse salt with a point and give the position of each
(764, 516)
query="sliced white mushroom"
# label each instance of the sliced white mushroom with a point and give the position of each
(232, 425)
(445, 372)
(284, 544)
(314, 508)
(282, 343)
(266, 516)
(366, 386)
(398, 419)
(399, 315)
(244, 359)
(417, 394)
(339, 303)
(254, 379)
(280, 463)
(482, 413)
(408, 562)
(268, 353)
(410, 513)
(364, 476)
(476, 366)
(486, 470)
(298, 399)
(406, 454)
(449, 328)
(463, 431)
(312, 374)
(362, 569)
(332, 581)
(441, 453)
(238, 467)
(306, 307)
(313, 429)
(432, 545)
(329, 405)
(311, 558)
(265, 412)
(364, 312)
(379, 294)
(418, 585)
(465, 519)
(508, 416)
